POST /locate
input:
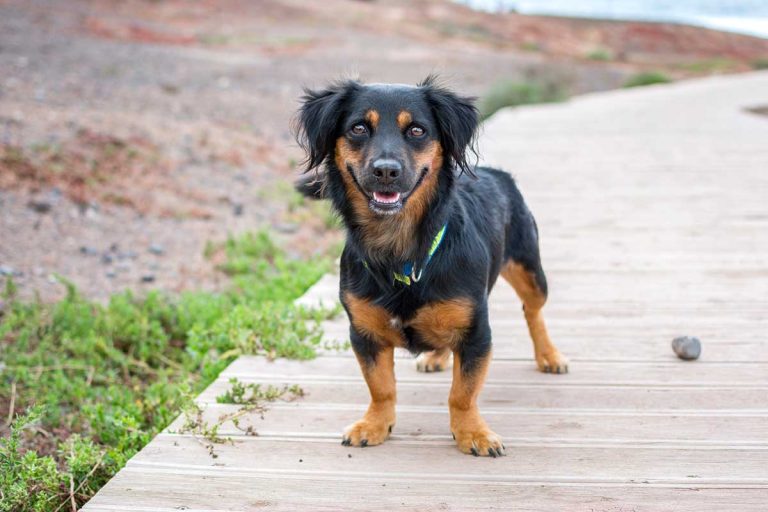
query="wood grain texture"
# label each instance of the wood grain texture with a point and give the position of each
(653, 213)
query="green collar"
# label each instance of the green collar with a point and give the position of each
(412, 274)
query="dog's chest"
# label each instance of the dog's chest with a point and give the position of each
(433, 325)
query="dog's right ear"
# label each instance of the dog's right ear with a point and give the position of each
(317, 122)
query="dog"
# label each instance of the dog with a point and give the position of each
(428, 233)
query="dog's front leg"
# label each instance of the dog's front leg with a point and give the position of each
(470, 364)
(378, 366)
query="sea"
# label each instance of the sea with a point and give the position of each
(741, 16)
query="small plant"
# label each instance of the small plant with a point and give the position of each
(510, 93)
(600, 54)
(760, 63)
(251, 397)
(647, 78)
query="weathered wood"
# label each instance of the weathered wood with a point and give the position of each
(626, 428)
(654, 221)
(142, 489)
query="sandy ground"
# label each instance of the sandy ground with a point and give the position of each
(133, 133)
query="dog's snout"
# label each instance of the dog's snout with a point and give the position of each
(386, 170)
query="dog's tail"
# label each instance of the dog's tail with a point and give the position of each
(312, 186)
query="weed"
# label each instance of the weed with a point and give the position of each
(647, 78)
(251, 397)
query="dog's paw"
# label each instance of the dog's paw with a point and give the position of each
(552, 362)
(482, 442)
(367, 432)
(434, 361)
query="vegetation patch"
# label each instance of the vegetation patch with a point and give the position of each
(98, 381)
(647, 78)
(511, 93)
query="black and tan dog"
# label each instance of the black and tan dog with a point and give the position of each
(428, 234)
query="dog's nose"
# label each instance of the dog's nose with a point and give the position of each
(386, 170)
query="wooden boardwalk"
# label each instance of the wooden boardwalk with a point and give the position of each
(653, 210)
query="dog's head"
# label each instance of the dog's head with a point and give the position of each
(388, 142)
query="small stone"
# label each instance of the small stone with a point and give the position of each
(5, 270)
(111, 274)
(157, 249)
(39, 205)
(687, 347)
(237, 209)
(148, 278)
(287, 227)
(106, 258)
(127, 255)
(88, 251)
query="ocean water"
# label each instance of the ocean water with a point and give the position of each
(742, 16)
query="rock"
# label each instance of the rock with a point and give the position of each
(687, 347)
(127, 255)
(39, 205)
(148, 278)
(237, 209)
(88, 251)
(157, 249)
(5, 270)
(287, 227)
(111, 274)
(106, 258)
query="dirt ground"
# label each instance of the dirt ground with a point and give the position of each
(135, 132)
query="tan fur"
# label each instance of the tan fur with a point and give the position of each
(377, 423)
(372, 116)
(469, 428)
(443, 323)
(404, 119)
(548, 357)
(373, 321)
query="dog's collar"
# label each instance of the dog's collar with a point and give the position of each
(411, 273)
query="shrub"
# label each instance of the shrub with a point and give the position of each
(600, 54)
(761, 63)
(647, 78)
(510, 93)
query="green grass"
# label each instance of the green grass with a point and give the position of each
(710, 66)
(647, 78)
(600, 55)
(100, 380)
(511, 93)
(761, 63)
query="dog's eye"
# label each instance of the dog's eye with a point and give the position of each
(358, 129)
(416, 131)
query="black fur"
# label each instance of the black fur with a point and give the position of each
(488, 221)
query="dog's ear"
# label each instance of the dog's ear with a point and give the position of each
(317, 121)
(457, 120)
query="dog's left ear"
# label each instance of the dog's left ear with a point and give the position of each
(318, 118)
(457, 120)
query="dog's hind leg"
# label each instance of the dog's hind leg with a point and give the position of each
(434, 360)
(531, 286)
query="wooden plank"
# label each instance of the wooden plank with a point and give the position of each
(150, 489)
(557, 395)
(516, 372)
(609, 346)
(739, 429)
(425, 461)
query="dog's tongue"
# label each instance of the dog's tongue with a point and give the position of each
(386, 197)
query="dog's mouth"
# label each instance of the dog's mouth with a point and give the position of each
(386, 202)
